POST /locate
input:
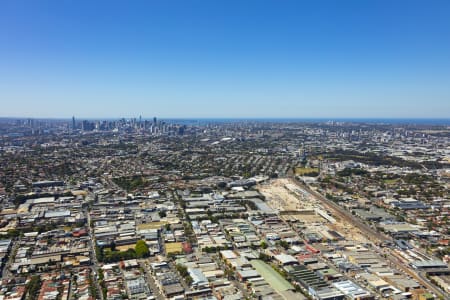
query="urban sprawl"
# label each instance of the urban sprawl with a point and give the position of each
(172, 209)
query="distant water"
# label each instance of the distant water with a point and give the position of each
(202, 121)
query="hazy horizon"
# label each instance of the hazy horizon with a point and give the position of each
(300, 119)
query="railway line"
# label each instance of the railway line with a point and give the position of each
(373, 235)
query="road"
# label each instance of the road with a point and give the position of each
(393, 258)
(236, 283)
(150, 280)
(94, 261)
(12, 253)
(373, 236)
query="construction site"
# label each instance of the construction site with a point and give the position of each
(298, 206)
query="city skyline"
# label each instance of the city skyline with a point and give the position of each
(379, 59)
(197, 210)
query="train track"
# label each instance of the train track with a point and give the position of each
(371, 233)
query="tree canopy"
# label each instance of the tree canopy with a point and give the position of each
(141, 249)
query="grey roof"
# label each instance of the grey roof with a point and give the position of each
(429, 264)
(57, 214)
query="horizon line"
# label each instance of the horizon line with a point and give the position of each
(226, 118)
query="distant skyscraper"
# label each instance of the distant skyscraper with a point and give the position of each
(30, 123)
(73, 123)
(154, 120)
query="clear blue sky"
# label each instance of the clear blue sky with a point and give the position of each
(228, 58)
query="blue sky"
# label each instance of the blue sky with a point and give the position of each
(308, 59)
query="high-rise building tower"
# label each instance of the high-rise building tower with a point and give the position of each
(73, 123)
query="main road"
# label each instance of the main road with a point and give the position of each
(7, 275)
(94, 263)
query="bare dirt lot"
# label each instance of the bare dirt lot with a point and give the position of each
(282, 196)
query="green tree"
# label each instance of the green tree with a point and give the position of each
(141, 249)
(264, 257)
(99, 253)
(284, 244)
(33, 287)
(182, 270)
